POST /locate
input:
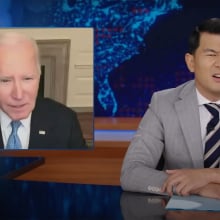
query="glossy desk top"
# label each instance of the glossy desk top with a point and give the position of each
(44, 200)
(23, 199)
(11, 167)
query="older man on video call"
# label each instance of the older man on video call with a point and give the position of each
(28, 122)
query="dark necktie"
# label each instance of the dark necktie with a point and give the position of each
(212, 142)
(13, 140)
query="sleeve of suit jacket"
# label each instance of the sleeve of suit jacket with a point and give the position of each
(170, 127)
(139, 172)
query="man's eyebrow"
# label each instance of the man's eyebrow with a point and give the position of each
(4, 76)
(210, 50)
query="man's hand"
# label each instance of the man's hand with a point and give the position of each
(184, 181)
(211, 190)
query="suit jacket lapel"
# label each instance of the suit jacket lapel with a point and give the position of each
(188, 113)
(34, 133)
(1, 141)
(38, 130)
(37, 134)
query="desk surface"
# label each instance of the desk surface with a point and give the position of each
(11, 167)
(114, 123)
(43, 200)
(114, 132)
(97, 166)
(84, 186)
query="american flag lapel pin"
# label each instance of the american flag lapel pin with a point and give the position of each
(42, 132)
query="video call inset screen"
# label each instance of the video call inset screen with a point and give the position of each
(139, 45)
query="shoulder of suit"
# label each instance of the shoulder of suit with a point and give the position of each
(175, 92)
(51, 105)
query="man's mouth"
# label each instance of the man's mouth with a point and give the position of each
(17, 106)
(216, 76)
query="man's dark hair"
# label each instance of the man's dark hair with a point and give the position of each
(211, 26)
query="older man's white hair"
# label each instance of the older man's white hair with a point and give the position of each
(15, 38)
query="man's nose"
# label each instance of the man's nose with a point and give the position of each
(17, 90)
(217, 61)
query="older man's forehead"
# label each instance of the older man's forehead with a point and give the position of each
(13, 37)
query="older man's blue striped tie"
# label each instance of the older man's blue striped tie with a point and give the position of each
(13, 140)
(212, 141)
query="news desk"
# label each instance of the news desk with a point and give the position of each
(80, 184)
(84, 187)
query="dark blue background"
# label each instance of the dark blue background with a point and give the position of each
(139, 45)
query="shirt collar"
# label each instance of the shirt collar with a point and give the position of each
(202, 100)
(6, 120)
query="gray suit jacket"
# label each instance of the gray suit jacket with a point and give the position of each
(170, 127)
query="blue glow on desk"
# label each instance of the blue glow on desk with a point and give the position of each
(114, 135)
(44, 200)
(10, 167)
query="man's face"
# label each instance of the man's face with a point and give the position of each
(19, 80)
(205, 63)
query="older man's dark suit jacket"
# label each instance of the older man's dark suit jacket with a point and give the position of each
(54, 126)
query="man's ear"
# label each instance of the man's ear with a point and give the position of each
(189, 59)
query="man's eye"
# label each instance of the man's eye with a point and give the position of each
(211, 54)
(28, 78)
(4, 80)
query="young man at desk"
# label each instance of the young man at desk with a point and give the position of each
(182, 125)
(28, 122)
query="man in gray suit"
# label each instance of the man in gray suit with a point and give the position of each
(174, 128)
